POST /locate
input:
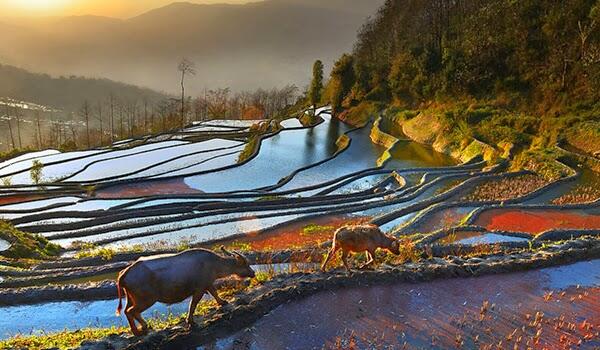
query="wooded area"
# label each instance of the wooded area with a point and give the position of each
(530, 53)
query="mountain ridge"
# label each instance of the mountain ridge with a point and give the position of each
(232, 45)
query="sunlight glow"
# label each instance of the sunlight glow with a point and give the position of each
(39, 5)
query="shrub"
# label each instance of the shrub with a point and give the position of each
(104, 253)
(315, 229)
(26, 245)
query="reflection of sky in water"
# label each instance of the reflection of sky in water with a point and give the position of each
(61, 170)
(4, 245)
(278, 157)
(585, 274)
(204, 233)
(78, 204)
(490, 238)
(39, 203)
(69, 315)
(74, 315)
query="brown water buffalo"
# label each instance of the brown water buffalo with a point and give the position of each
(172, 278)
(360, 238)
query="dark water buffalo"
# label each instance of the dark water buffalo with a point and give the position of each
(172, 278)
(360, 238)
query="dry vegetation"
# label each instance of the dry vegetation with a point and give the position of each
(581, 194)
(505, 189)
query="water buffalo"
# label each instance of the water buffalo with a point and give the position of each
(360, 238)
(172, 278)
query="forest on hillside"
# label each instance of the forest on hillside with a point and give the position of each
(542, 54)
(66, 93)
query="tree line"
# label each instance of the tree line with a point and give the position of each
(103, 121)
(544, 54)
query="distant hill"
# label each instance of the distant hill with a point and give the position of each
(263, 44)
(66, 93)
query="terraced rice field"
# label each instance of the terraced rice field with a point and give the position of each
(189, 189)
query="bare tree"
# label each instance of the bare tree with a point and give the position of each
(112, 118)
(17, 114)
(145, 115)
(186, 67)
(12, 137)
(39, 129)
(85, 113)
(101, 124)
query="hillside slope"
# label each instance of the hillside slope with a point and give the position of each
(67, 93)
(232, 45)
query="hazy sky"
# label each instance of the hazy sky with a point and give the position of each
(112, 8)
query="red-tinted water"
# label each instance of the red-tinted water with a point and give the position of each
(299, 234)
(147, 188)
(536, 221)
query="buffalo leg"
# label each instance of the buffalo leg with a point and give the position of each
(215, 295)
(137, 313)
(130, 314)
(345, 260)
(330, 255)
(370, 259)
(193, 304)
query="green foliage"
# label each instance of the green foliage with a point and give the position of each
(312, 229)
(406, 78)
(183, 245)
(36, 172)
(26, 245)
(14, 153)
(104, 253)
(541, 160)
(316, 86)
(341, 81)
(249, 149)
(538, 55)
(360, 115)
(240, 247)
(72, 339)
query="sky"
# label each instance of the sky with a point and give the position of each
(110, 8)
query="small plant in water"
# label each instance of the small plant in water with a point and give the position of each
(7, 181)
(36, 172)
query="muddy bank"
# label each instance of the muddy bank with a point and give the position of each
(251, 306)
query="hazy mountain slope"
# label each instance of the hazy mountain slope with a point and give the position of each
(268, 43)
(66, 92)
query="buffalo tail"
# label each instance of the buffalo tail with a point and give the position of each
(120, 294)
